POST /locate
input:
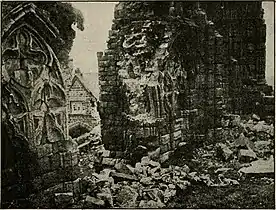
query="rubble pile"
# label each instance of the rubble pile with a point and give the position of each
(90, 141)
(146, 185)
(107, 181)
(246, 141)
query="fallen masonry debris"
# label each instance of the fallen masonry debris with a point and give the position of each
(108, 181)
(147, 184)
(182, 115)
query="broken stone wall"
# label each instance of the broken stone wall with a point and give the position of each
(36, 152)
(159, 79)
(244, 31)
(170, 72)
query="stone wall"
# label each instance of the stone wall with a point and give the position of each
(170, 73)
(244, 31)
(37, 153)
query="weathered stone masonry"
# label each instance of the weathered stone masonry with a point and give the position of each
(171, 73)
(36, 152)
(243, 29)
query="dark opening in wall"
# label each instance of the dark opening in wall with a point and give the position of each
(77, 131)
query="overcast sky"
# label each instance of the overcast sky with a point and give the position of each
(98, 19)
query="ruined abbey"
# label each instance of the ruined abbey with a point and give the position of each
(173, 74)
(174, 71)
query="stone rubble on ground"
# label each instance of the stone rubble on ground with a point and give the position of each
(247, 140)
(147, 184)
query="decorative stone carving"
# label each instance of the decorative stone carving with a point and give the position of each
(32, 75)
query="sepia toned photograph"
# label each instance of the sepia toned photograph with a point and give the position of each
(138, 104)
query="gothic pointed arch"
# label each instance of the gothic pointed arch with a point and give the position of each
(32, 74)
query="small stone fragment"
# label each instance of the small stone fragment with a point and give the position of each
(151, 204)
(168, 194)
(146, 180)
(62, 200)
(145, 161)
(154, 164)
(224, 151)
(122, 176)
(256, 117)
(246, 156)
(94, 201)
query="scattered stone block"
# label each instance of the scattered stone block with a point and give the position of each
(168, 194)
(244, 142)
(63, 200)
(154, 164)
(146, 181)
(171, 186)
(138, 168)
(154, 194)
(124, 168)
(109, 161)
(261, 127)
(235, 120)
(92, 202)
(246, 156)
(145, 161)
(182, 144)
(121, 176)
(261, 167)
(154, 170)
(106, 196)
(224, 152)
(183, 184)
(105, 153)
(262, 145)
(256, 117)
(164, 157)
(151, 204)
(222, 170)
